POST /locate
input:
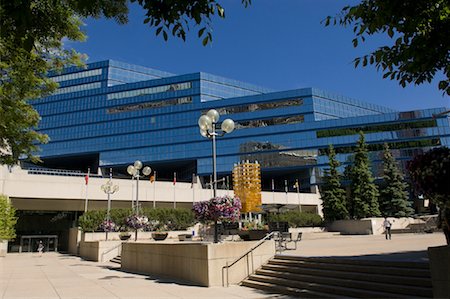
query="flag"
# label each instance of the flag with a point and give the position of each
(86, 177)
(174, 178)
(296, 185)
(273, 185)
(153, 177)
(285, 186)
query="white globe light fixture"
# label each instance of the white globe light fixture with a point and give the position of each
(134, 171)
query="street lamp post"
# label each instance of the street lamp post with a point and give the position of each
(109, 189)
(134, 171)
(207, 124)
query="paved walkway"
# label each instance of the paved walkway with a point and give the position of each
(63, 276)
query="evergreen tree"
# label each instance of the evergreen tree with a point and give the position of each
(393, 195)
(364, 193)
(333, 196)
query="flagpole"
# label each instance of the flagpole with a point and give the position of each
(286, 190)
(174, 182)
(193, 189)
(87, 184)
(273, 191)
(298, 195)
(154, 191)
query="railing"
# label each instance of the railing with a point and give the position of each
(111, 249)
(250, 251)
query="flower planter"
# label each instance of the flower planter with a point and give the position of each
(257, 234)
(124, 237)
(159, 236)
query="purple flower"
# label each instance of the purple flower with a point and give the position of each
(218, 208)
(107, 226)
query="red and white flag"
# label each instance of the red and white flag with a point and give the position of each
(86, 177)
(174, 178)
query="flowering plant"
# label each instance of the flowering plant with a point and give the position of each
(107, 226)
(218, 209)
(136, 221)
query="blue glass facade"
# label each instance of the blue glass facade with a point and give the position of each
(112, 113)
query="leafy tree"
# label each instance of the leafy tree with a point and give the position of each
(363, 192)
(430, 176)
(8, 219)
(419, 31)
(393, 195)
(333, 196)
(31, 44)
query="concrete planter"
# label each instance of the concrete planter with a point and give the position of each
(3, 247)
(159, 236)
(440, 274)
(197, 262)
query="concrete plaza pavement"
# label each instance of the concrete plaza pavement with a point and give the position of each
(57, 275)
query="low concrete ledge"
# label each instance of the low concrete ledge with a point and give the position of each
(196, 262)
(99, 251)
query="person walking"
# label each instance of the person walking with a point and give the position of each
(387, 228)
(40, 248)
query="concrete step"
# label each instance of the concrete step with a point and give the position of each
(407, 281)
(331, 290)
(343, 277)
(117, 260)
(278, 289)
(389, 287)
(370, 268)
(356, 261)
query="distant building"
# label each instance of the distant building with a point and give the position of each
(111, 114)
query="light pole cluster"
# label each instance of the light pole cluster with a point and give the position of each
(207, 124)
(135, 171)
(109, 189)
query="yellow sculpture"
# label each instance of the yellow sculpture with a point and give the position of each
(247, 185)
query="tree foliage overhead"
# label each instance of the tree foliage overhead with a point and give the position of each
(393, 195)
(332, 194)
(419, 30)
(363, 201)
(31, 44)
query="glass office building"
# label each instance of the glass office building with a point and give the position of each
(110, 114)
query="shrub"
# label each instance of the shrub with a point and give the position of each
(8, 219)
(297, 219)
(91, 220)
(170, 219)
(119, 217)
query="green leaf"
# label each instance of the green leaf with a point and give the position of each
(201, 31)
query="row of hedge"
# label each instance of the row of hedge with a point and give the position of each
(297, 219)
(159, 219)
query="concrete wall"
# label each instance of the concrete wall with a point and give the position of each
(369, 226)
(74, 240)
(68, 193)
(99, 251)
(198, 263)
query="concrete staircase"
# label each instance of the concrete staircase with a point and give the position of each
(316, 277)
(117, 260)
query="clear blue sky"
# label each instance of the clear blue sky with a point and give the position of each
(277, 44)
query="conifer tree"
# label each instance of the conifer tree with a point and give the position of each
(364, 193)
(333, 196)
(393, 195)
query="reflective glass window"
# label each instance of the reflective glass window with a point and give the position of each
(78, 75)
(150, 105)
(149, 90)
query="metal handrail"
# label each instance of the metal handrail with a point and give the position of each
(227, 266)
(111, 249)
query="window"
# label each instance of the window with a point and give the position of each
(149, 105)
(259, 106)
(76, 88)
(377, 128)
(270, 122)
(78, 75)
(149, 90)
